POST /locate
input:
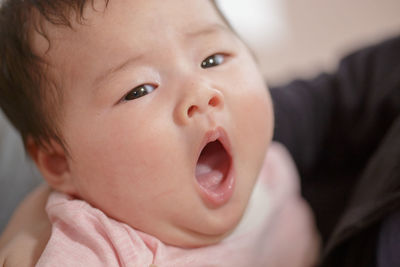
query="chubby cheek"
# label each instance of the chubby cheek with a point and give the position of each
(117, 158)
(253, 117)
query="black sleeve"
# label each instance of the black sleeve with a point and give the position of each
(340, 118)
(333, 124)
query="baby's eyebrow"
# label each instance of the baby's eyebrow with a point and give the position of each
(208, 30)
(114, 69)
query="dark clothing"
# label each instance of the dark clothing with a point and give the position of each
(389, 242)
(343, 130)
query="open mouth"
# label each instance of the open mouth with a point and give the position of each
(212, 166)
(214, 171)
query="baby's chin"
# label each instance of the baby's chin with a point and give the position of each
(192, 239)
(205, 235)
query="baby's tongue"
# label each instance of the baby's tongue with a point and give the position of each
(212, 165)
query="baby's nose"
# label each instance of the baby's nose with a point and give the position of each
(213, 99)
(198, 101)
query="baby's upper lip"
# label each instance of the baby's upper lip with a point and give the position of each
(215, 134)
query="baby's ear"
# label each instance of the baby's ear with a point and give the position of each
(52, 161)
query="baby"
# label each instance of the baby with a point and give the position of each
(151, 121)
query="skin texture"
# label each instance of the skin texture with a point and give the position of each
(135, 160)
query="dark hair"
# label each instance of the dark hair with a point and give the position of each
(28, 97)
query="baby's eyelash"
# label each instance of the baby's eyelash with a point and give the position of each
(213, 60)
(139, 91)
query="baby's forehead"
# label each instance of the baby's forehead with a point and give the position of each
(104, 18)
(107, 32)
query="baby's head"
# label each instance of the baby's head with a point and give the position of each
(153, 111)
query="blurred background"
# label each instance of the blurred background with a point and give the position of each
(300, 38)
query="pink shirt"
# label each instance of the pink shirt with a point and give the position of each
(276, 230)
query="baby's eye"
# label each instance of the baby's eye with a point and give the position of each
(139, 91)
(212, 61)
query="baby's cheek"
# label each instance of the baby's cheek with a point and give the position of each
(253, 123)
(255, 115)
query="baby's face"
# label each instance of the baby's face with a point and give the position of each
(165, 114)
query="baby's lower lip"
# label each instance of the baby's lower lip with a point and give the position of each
(217, 195)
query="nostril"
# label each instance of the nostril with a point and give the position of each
(191, 110)
(214, 101)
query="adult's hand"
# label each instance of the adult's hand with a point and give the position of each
(28, 231)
